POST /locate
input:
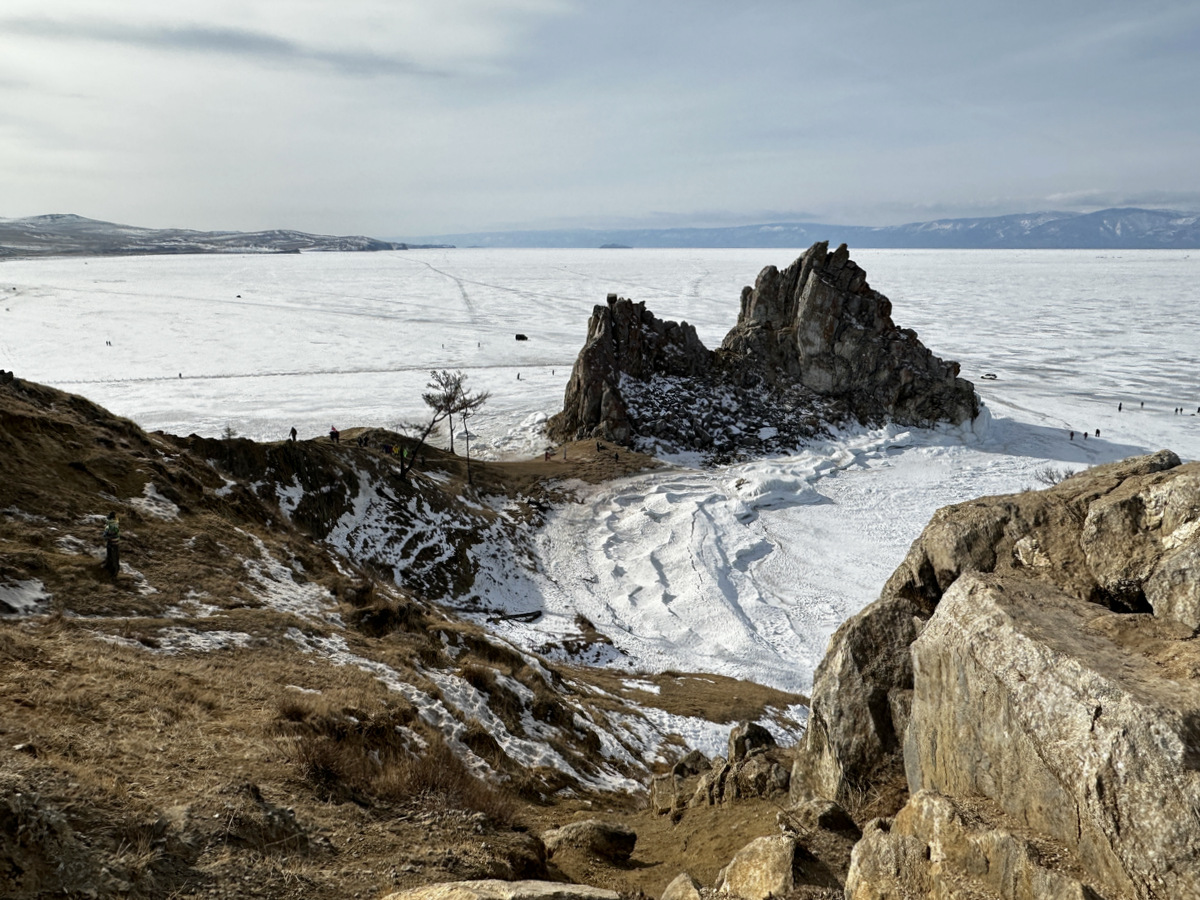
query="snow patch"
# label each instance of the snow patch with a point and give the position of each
(23, 598)
(154, 504)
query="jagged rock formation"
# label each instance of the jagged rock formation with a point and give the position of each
(624, 338)
(820, 324)
(755, 768)
(812, 342)
(1028, 679)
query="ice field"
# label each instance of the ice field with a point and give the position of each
(743, 570)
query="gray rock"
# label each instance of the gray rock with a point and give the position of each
(860, 692)
(746, 738)
(761, 869)
(491, 889)
(604, 839)
(1036, 701)
(683, 887)
(819, 323)
(761, 776)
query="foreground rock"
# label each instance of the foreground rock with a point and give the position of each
(604, 839)
(504, 890)
(812, 343)
(1029, 677)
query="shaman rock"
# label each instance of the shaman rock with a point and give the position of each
(813, 344)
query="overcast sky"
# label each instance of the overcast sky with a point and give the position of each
(404, 118)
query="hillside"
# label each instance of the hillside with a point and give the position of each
(273, 697)
(1108, 229)
(63, 235)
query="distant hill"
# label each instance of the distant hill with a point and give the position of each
(63, 235)
(1113, 229)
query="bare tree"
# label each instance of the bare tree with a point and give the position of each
(446, 397)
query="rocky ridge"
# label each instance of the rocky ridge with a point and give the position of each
(1027, 688)
(812, 344)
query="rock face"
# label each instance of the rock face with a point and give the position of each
(1031, 676)
(812, 343)
(820, 324)
(624, 340)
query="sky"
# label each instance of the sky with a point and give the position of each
(410, 118)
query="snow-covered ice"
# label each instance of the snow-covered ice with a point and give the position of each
(743, 570)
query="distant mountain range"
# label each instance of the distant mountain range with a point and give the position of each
(68, 235)
(1110, 229)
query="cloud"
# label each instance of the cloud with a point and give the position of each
(255, 46)
(1094, 199)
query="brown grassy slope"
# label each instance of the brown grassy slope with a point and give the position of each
(264, 768)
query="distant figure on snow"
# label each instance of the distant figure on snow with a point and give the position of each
(112, 545)
(292, 435)
(334, 435)
(1118, 407)
(1143, 406)
(1097, 432)
(1072, 435)
(518, 376)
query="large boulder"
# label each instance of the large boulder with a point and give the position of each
(1059, 712)
(763, 868)
(610, 841)
(1067, 536)
(1030, 678)
(624, 340)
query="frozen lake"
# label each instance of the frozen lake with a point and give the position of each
(743, 570)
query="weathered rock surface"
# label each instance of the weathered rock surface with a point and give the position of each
(819, 323)
(934, 848)
(491, 889)
(1031, 674)
(812, 344)
(763, 868)
(757, 768)
(683, 887)
(610, 841)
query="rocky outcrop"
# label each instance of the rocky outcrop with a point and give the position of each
(756, 768)
(1029, 675)
(625, 340)
(820, 324)
(814, 342)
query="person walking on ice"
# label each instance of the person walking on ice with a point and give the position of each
(112, 545)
